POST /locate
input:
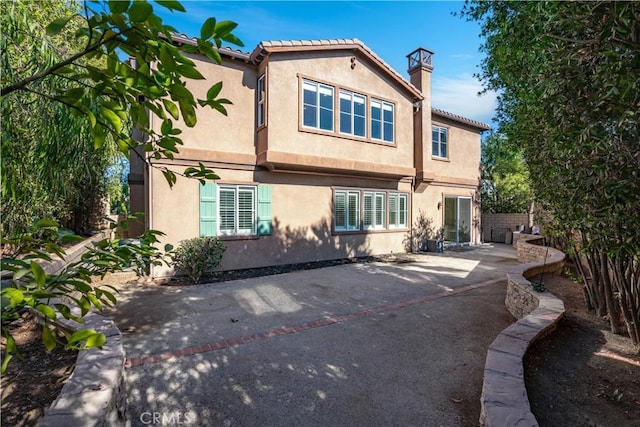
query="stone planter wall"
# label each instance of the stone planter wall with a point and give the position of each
(95, 394)
(504, 400)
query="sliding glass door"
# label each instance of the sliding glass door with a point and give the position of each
(457, 219)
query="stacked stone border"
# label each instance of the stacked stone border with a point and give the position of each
(504, 400)
(95, 393)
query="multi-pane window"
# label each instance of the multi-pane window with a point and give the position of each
(439, 137)
(374, 210)
(261, 93)
(378, 210)
(353, 116)
(398, 210)
(237, 210)
(317, 111)
(382, 120)
(347, 210)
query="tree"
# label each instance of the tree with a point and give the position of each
(34, 129)
(568, 74)
(505, 177)
(111, 96)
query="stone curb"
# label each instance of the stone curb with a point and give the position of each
(504, 400)
(95, 394)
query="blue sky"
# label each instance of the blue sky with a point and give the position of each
(391, 29)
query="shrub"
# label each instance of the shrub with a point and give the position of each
(194, 257)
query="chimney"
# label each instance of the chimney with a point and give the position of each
(420, 68)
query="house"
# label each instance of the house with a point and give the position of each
(326, 153)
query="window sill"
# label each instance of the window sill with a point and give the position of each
(369, 231)
(440, 159)
(232, 238)
(349, 137)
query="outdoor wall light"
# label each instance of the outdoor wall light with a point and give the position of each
(439, 205)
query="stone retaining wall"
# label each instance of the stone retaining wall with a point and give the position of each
(95, 394)
(504, 400)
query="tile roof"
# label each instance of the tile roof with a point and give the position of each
(337, 44)
(264, 47)
(460, 119)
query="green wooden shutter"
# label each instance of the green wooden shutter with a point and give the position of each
(208, 210)
(265, 227)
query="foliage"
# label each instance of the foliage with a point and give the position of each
(37, 133)
(505, 177)
(568, 75)
(422, 231)
(69, 292)
(194, 257)
(71, 78)
(117, 184)
(108, 92)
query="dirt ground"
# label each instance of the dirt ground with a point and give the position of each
(32, 383)
(582, 374)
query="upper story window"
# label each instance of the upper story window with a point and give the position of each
(353, 113)
(262, 95)
(439, 137)
(382, 120)
(317, 99)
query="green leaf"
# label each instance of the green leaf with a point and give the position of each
(188, 112)
(56, 26)
(208, 28)
(119, 6)
(16, 297)
(230, 38)
(140, 11)
(48, 312)
(112, 118)
(190, 72)
(99, 136)
(225, 27)
(214, 91)
(171, 108)
(80, 335)
(166, 58)
(96, 340)
(39, 274)
(48, 338)
(171, 5)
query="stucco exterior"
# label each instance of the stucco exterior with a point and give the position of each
(309, 171)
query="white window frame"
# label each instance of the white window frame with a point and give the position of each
(261, 101)
(351, 203)
(236, 229)
(399, 212)
(437, 145)
(319, 88)
(377, 211)
(385, 136)
(352, 116)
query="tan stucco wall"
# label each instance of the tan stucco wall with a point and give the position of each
(302, 220)
(463, 161)
(234, 133)
(334, 68)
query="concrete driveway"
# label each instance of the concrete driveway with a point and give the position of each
(358, 344)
